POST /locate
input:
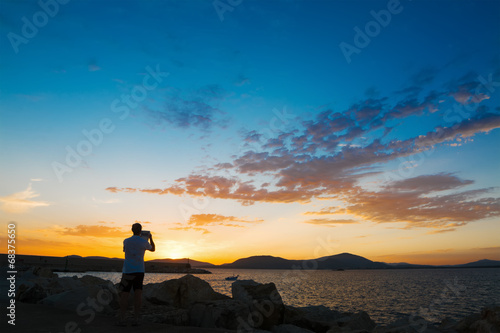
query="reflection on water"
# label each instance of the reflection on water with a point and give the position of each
(384, 294)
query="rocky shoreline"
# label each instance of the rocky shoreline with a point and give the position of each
(253, 307)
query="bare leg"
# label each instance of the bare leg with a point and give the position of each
(137, 303)
(123, 304)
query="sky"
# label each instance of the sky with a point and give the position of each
(233, 128)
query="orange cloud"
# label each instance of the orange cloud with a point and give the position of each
(94, 231)
(199, 221)
(215, 219)
(330, 222)
(326, 157)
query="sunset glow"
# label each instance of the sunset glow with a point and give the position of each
(270, 129)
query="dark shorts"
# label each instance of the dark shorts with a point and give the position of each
(130, 280)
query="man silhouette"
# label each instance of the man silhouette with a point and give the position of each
(133, 272)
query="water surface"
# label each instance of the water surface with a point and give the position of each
(384, 294)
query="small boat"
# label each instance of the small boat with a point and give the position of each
(232, 278)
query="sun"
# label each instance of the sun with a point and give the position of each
(172, 254)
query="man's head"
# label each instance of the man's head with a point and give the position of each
(136, 229)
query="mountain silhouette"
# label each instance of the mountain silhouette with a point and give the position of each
(338, 261)
(348, 261)
(193, 263)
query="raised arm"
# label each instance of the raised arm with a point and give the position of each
(153, 246)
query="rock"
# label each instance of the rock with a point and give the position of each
(59, 285)
(321, 313)
(228, 314)
(409, 324)
(488, 321)
(360, 321)
(491, 314)
(264, 301)
(166, 315)
(86, 300)
(89, 279)
(313, 318)
(287, 328)
(30, 292)
(447, 324)
(43, 272)
(464, 324)
(181, 293)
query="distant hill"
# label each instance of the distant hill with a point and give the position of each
(407, 265)
(262, 262)
(481, 263)
(193, 263)
(98, 257)
(349, 261)
(338, 261)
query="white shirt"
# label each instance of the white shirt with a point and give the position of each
(134, 248)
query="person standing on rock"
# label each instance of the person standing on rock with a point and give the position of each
(133, 272)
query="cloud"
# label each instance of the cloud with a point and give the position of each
(215, 219)
(330, 222)
(421, 206)
(199, 222)
(93, 231)
(197, 109)
(468, 93)
(183, 227)
(20, 202)
(328, 155)
(324, 211)
(241, 80)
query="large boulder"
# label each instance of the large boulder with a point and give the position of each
(37, 271)
(228, 314)
(31, 292)
(32, 288)
(165, 314)
(86, 300)
(488, 321)
(287, 328)
(322, 319)
(264, 301)
(408, 324)
(181, 293)
(359, 321)
(314, 318)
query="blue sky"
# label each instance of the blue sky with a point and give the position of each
(250, 120)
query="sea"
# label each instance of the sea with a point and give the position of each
(386, 295)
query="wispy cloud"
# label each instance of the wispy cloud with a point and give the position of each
(198, 109)
(327, 157)
(21, 202)
(330, 222)
(199, 222)
(93, 231)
